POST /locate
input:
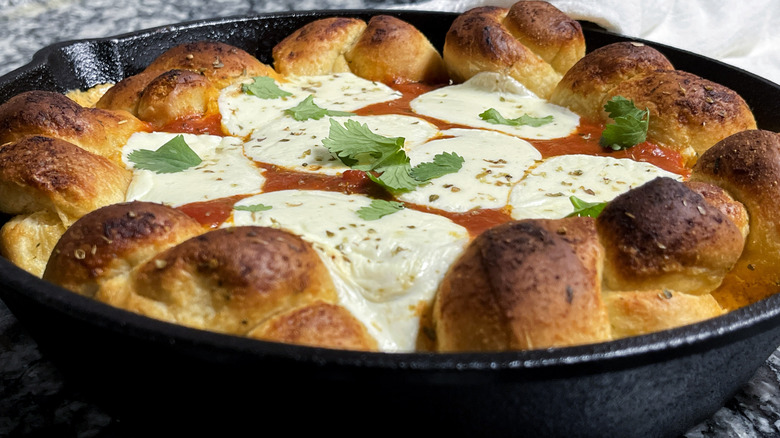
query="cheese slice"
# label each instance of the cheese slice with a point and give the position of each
(386, 270)
(545, 191)
(463, 103)
(297, 145)
(493, 163)
(242, 113)
(223, 172)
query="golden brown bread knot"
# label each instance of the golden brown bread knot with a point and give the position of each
(249, 281)
(102, 132)
(533, 42)
(584, 87)
(688, 114)
(49, 183)
(522, 285)
(177, 94)
(112, 240)
(318, 324)
(222, 64)
(664, 235)
(43, 173)
(385, 50)
(182, 82)
(747, 166)
(635, 313)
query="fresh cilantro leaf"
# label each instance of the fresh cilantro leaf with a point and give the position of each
(378, 209)
(253, 208)
(443, 164)
(493, 116)
(307, 109)
(396, 174)
(361, 149)
(629, 127)
(174, 156)
(583, 208)
(264, 88)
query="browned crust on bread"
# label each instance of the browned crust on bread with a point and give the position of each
(221, 63)
(112, 240)
(177, 94)
(523, 285)
(548, 32)
(664, 235)
(720, 199)
(584, 87)
(747, 166)
(43, 173)
(318, 324)
(686, 111)
(318, 47)
(51, 114)
(481, 40)
(124, 95)
(393, 51)
(230, 280)
(633, 313)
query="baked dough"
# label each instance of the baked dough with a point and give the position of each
(385, 49)
(533, 42)
(524, 285)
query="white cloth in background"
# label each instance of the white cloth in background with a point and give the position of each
(741, 33)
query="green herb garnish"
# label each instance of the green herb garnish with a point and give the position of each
(493, 116)
(360, 148)
(307, 109)
(264, 88)
(253, 208)
(378, 209)
(174, 156)
(583, 208)
(629, 127)
(443, 164)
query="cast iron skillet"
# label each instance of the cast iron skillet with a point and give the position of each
(170, 379)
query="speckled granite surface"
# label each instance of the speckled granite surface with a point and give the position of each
(34, 400)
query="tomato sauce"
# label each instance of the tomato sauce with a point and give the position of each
(211, 124)
(475, 221)
(349, 182)
(213, 213)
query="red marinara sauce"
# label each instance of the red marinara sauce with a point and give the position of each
(210, 124)
(213, 213)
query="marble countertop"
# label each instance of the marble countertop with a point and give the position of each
(34, 399)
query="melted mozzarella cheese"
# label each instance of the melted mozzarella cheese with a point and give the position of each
(545, 191)
(297, 145)
(242, 113)
(493, 163)
(224, 171)
(386, 271)
(463, 103)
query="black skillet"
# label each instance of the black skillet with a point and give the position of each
(163, 379)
